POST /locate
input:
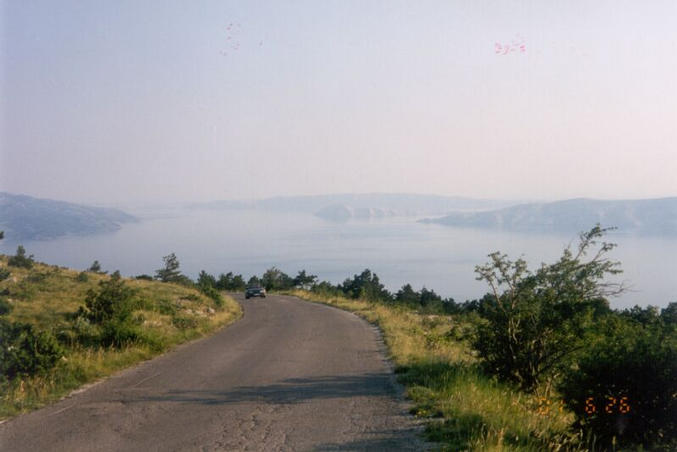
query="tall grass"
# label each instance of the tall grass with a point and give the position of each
(47, 296)
(464, 409)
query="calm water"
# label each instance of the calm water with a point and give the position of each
(399, 250)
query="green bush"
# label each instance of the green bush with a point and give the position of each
(20, 259)
(119, 333)
(82, 277)
(112, 301)
(624, 388)
(214, 295)
(5, 307)
(533, 323)
(4, 274)
(111, 307)
(26, 352)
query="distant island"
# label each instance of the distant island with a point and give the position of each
(645, 216)
(26, 218)
(340, 207)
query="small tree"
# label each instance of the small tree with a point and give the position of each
(95, 268)
(407, 295)
(170, 272)
(229, 281)
(113, 300)
(254, 281)
(276, 279)
(530, 329)
(111, 308)
(366, 285)
(20, 259)
(304, 280)
(205, 280)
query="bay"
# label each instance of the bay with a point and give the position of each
(398, 249)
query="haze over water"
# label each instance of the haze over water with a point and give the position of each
(399, 250)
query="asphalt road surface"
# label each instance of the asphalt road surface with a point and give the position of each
(290, 375)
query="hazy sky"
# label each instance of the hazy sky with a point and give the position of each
(112, 101)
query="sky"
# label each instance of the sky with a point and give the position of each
(113, 102)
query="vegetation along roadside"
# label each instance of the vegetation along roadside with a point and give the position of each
(539, 363)
(61, 329)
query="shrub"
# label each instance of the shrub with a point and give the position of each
(113, 300)
(111, 307)
(4, 274)
(5, 307)
(625, 385)
(204, 279)
(82, 277)
(118, 333)
(214, 295)
(26, 352)
(366, 286)
(276, 279)
(532, 329)
(96, 268)
(144, 277)
(229, 281)
(20, 259)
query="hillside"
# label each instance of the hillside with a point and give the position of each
(50, 300)
(646, 216)
(27, 218)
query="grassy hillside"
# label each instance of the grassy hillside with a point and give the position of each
(48, 297)
(465, 409)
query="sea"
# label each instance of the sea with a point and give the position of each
(399, 250)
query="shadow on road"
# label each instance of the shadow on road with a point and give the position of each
(288, 391)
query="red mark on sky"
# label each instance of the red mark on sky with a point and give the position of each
(517, 45)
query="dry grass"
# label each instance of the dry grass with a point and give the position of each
(47, 296)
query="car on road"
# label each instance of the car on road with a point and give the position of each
(255, 292)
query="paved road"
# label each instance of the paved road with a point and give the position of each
(290, 375)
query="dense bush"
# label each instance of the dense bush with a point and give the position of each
(366, 286)
(82, 277)
(5, 307)
(204, 279)
(4, 274)
(111, 307)
(20, 259)
(276, 279)
(214, 295)
(25, 351)
(327, 289)
(231, 282)
(624, 388)
(532, 329)
(304, 280)
(113, 300)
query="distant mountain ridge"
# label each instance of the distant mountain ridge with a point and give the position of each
(361, 206)
(26, 218)
(644, 216)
